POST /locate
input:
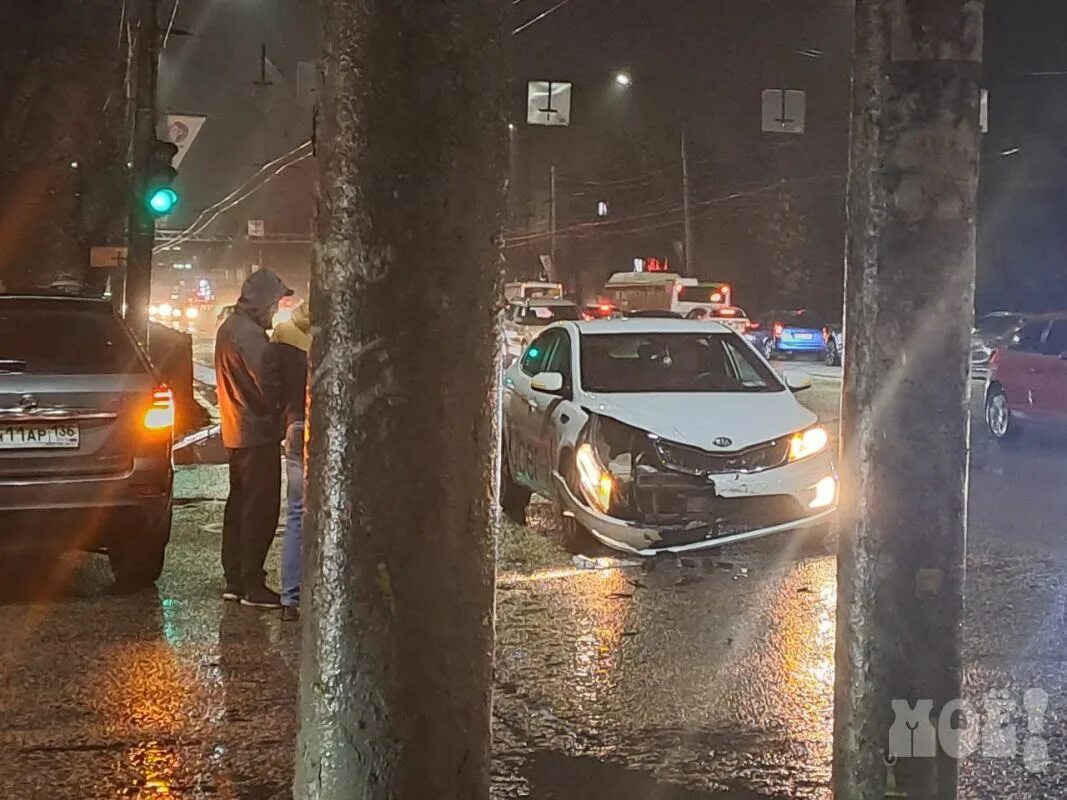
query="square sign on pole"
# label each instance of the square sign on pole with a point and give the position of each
(783, 111)
(548, 103)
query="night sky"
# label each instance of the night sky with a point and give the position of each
(700, 64)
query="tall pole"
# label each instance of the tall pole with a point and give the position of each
(399, 578)
(141, 226)
(690, 253)
(553, 248)
(909, 292)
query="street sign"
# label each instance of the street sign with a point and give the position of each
(257, 229)
(182, 130)
(104, 257)
(548, 103)
(783, 111)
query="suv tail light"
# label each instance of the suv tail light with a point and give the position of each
(160, 412)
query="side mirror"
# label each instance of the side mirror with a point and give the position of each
(547, 382)
(796, 381)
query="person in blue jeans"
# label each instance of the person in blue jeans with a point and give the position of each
(285, 369)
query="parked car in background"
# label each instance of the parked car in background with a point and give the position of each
(525, 319)
(990, 332)
(601, 310)
(1027, 383)
(732, 317)
(530, 290)
(788, 333)
(85, 436)
(834, 336)
(662, 435)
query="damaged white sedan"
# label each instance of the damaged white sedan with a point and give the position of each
(659, 435)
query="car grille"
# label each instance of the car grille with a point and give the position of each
(694, 461)
(687, 512)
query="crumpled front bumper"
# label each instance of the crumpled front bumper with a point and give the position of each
(790, 487)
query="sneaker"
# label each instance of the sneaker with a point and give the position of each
(290, 614)
(262, 598)
(233, 594)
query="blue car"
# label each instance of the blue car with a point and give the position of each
(789, 333)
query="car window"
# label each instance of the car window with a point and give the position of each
(801, 319)
(1028, 339)
(45, 338)
(533, 360)
(996, 324)
(672, 362)
(1056, 341)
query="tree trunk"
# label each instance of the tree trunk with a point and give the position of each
(62, 111)
(909, 306)
(396, 670)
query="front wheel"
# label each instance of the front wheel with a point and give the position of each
(998, 417)
(832, 357)
(768, 349)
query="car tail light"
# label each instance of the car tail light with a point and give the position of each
(778, 329)
(994, 357)
(160, 412)
(752, 325)
(826, 335)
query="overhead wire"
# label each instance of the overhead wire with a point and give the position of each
(539, 17)
(233, 197)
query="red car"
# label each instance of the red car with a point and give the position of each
(1028, 379)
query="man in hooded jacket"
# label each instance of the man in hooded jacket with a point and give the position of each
(251, 433)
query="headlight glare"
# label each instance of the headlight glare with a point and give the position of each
(808, 442)
(596, 481)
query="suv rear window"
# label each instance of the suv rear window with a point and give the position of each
(59, 338)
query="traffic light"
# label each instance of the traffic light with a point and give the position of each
(159, 196)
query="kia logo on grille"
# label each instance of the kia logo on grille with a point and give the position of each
(722, 441)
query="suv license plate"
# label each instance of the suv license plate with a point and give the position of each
(31, 437)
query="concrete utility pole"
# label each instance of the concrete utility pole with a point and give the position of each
(553, 247)
(909, 306)
(142, 225)
(690, 253)
(397, 655)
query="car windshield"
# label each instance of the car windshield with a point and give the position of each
(997, 324)
(672, 362)
(543, 315)
(45, 338)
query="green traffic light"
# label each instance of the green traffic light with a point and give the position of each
(162, 201)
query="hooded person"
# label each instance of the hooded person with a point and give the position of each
(285, 372)
(251, 432)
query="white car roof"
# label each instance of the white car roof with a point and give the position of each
(648, 325)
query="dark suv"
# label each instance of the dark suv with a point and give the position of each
(85, 436)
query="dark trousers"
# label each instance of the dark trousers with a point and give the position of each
(251, 517)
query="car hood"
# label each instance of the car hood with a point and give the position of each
(698, 419)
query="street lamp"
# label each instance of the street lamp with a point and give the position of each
(623, 79)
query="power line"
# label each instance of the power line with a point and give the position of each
(539, 17)
(235, 196)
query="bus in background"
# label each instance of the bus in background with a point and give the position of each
(533, 290)
(665, 291)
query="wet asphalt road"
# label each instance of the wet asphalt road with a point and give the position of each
(677, 678)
